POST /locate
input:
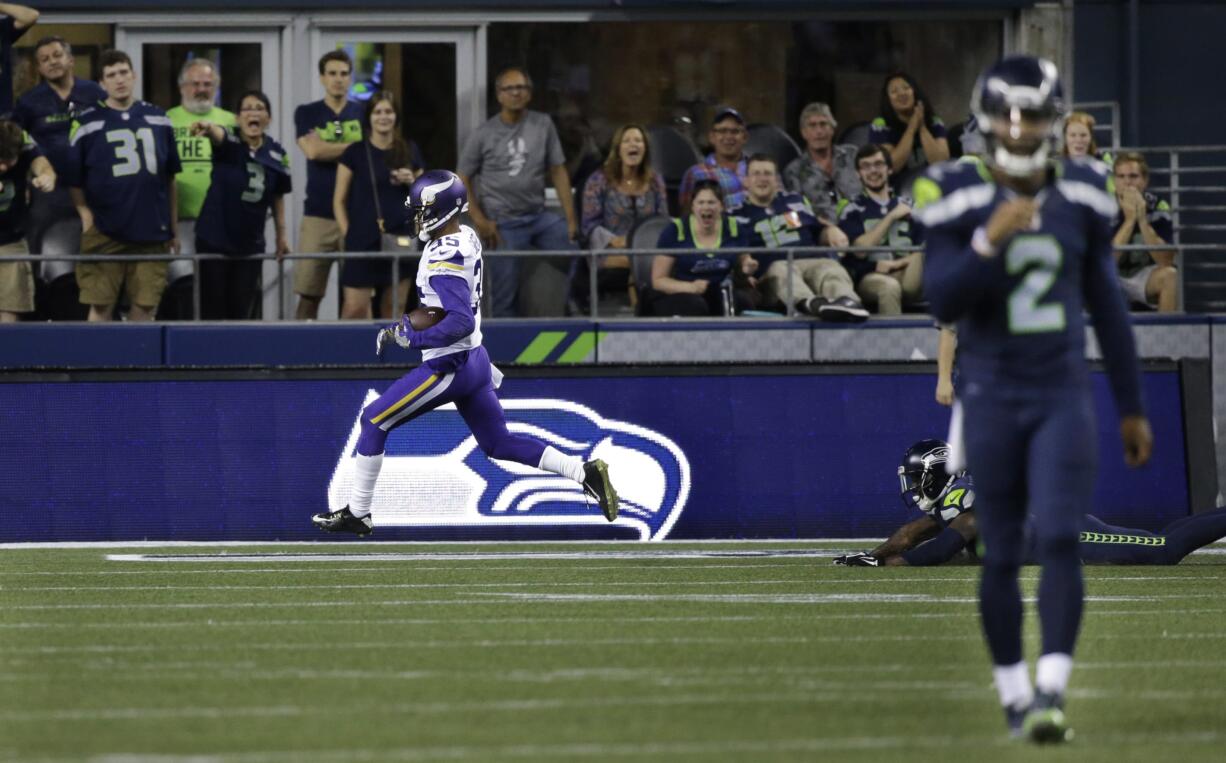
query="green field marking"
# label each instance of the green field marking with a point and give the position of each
(581, 349)
(540, 347)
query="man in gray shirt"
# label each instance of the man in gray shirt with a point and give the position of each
(512, 153)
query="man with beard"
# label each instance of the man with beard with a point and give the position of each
(198, 83)
(886, 280)
(46, 112)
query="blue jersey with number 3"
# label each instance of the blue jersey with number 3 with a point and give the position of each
(125, 162)
(1020, 313)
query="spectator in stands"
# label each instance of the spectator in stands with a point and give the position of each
(774, 219)
(909, 129)
(372, 182)
(250, 176)
(325, 128)
(46, 112)
(825, 173)
(1148, 278)
(17, 19)
(21, 165)
(615, 198)
(122, 178)
(885, 280)
(511, 153)
(1079, 137)
(726, 162)
(699, 282)
(198, 84)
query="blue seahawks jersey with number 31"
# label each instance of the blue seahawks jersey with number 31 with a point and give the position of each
(1021, 327)
(454, 256)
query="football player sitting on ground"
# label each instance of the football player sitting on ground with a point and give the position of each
(947, 529)
(455, 367)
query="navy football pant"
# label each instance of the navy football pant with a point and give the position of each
(1102, 543)
(1031, 456)
(463, 378)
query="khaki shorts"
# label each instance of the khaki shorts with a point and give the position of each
(316, 234)
(102, 282)
(16, 281)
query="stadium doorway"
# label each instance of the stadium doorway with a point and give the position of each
(246, 58)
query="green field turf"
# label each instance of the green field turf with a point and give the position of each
(661, 652)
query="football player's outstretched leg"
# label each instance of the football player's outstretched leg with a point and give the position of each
(1016, 250)
(455, 367)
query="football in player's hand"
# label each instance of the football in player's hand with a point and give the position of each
(423, 318)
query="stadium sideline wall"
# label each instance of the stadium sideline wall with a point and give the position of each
(225, 432)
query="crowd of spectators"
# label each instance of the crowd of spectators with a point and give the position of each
(88, 168)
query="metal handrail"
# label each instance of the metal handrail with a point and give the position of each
(593, 256)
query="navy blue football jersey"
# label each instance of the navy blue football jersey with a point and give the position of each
(958, 499)
(124, 161)
(864, 213)
(13, 184)
(48, 118)
(1021, 326)
(243, 186)
(786, 222)
(1158, 213)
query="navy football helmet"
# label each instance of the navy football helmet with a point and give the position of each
(434, 198)
(924, 474)
(1019, 109)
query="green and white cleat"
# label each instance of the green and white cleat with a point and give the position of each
(1045, 722)
(596, 484)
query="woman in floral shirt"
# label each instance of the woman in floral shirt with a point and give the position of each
(616, 197)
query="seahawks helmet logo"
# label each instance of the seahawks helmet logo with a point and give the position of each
(435, 475)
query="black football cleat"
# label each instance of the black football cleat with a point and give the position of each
(596, 484)
(343, 521)
(1045, 722)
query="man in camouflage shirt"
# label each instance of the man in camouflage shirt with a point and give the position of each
(826, 172)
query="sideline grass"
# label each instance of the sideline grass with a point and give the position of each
(593, 652)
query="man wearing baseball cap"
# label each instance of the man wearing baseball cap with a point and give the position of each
(727, 161)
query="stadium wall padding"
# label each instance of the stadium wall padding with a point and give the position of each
(698, 452)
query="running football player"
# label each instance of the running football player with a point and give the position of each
(455, 367)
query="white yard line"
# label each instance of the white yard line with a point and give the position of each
(455, 643)
(368, 621)
(709, 749)
(781, 563)
(947, 691)
(510, 598)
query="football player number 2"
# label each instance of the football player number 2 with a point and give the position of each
(1039, 257)
(129, 148)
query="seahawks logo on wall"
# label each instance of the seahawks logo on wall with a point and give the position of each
(435, 475)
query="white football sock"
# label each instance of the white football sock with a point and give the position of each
(1013, 684)
(553, 460)
(365, 473)
(1052, 672)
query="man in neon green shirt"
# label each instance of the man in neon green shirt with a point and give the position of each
(198, 83)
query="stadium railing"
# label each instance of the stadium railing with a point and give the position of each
(1193, 181)
(592, 257)
(1106, 121)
